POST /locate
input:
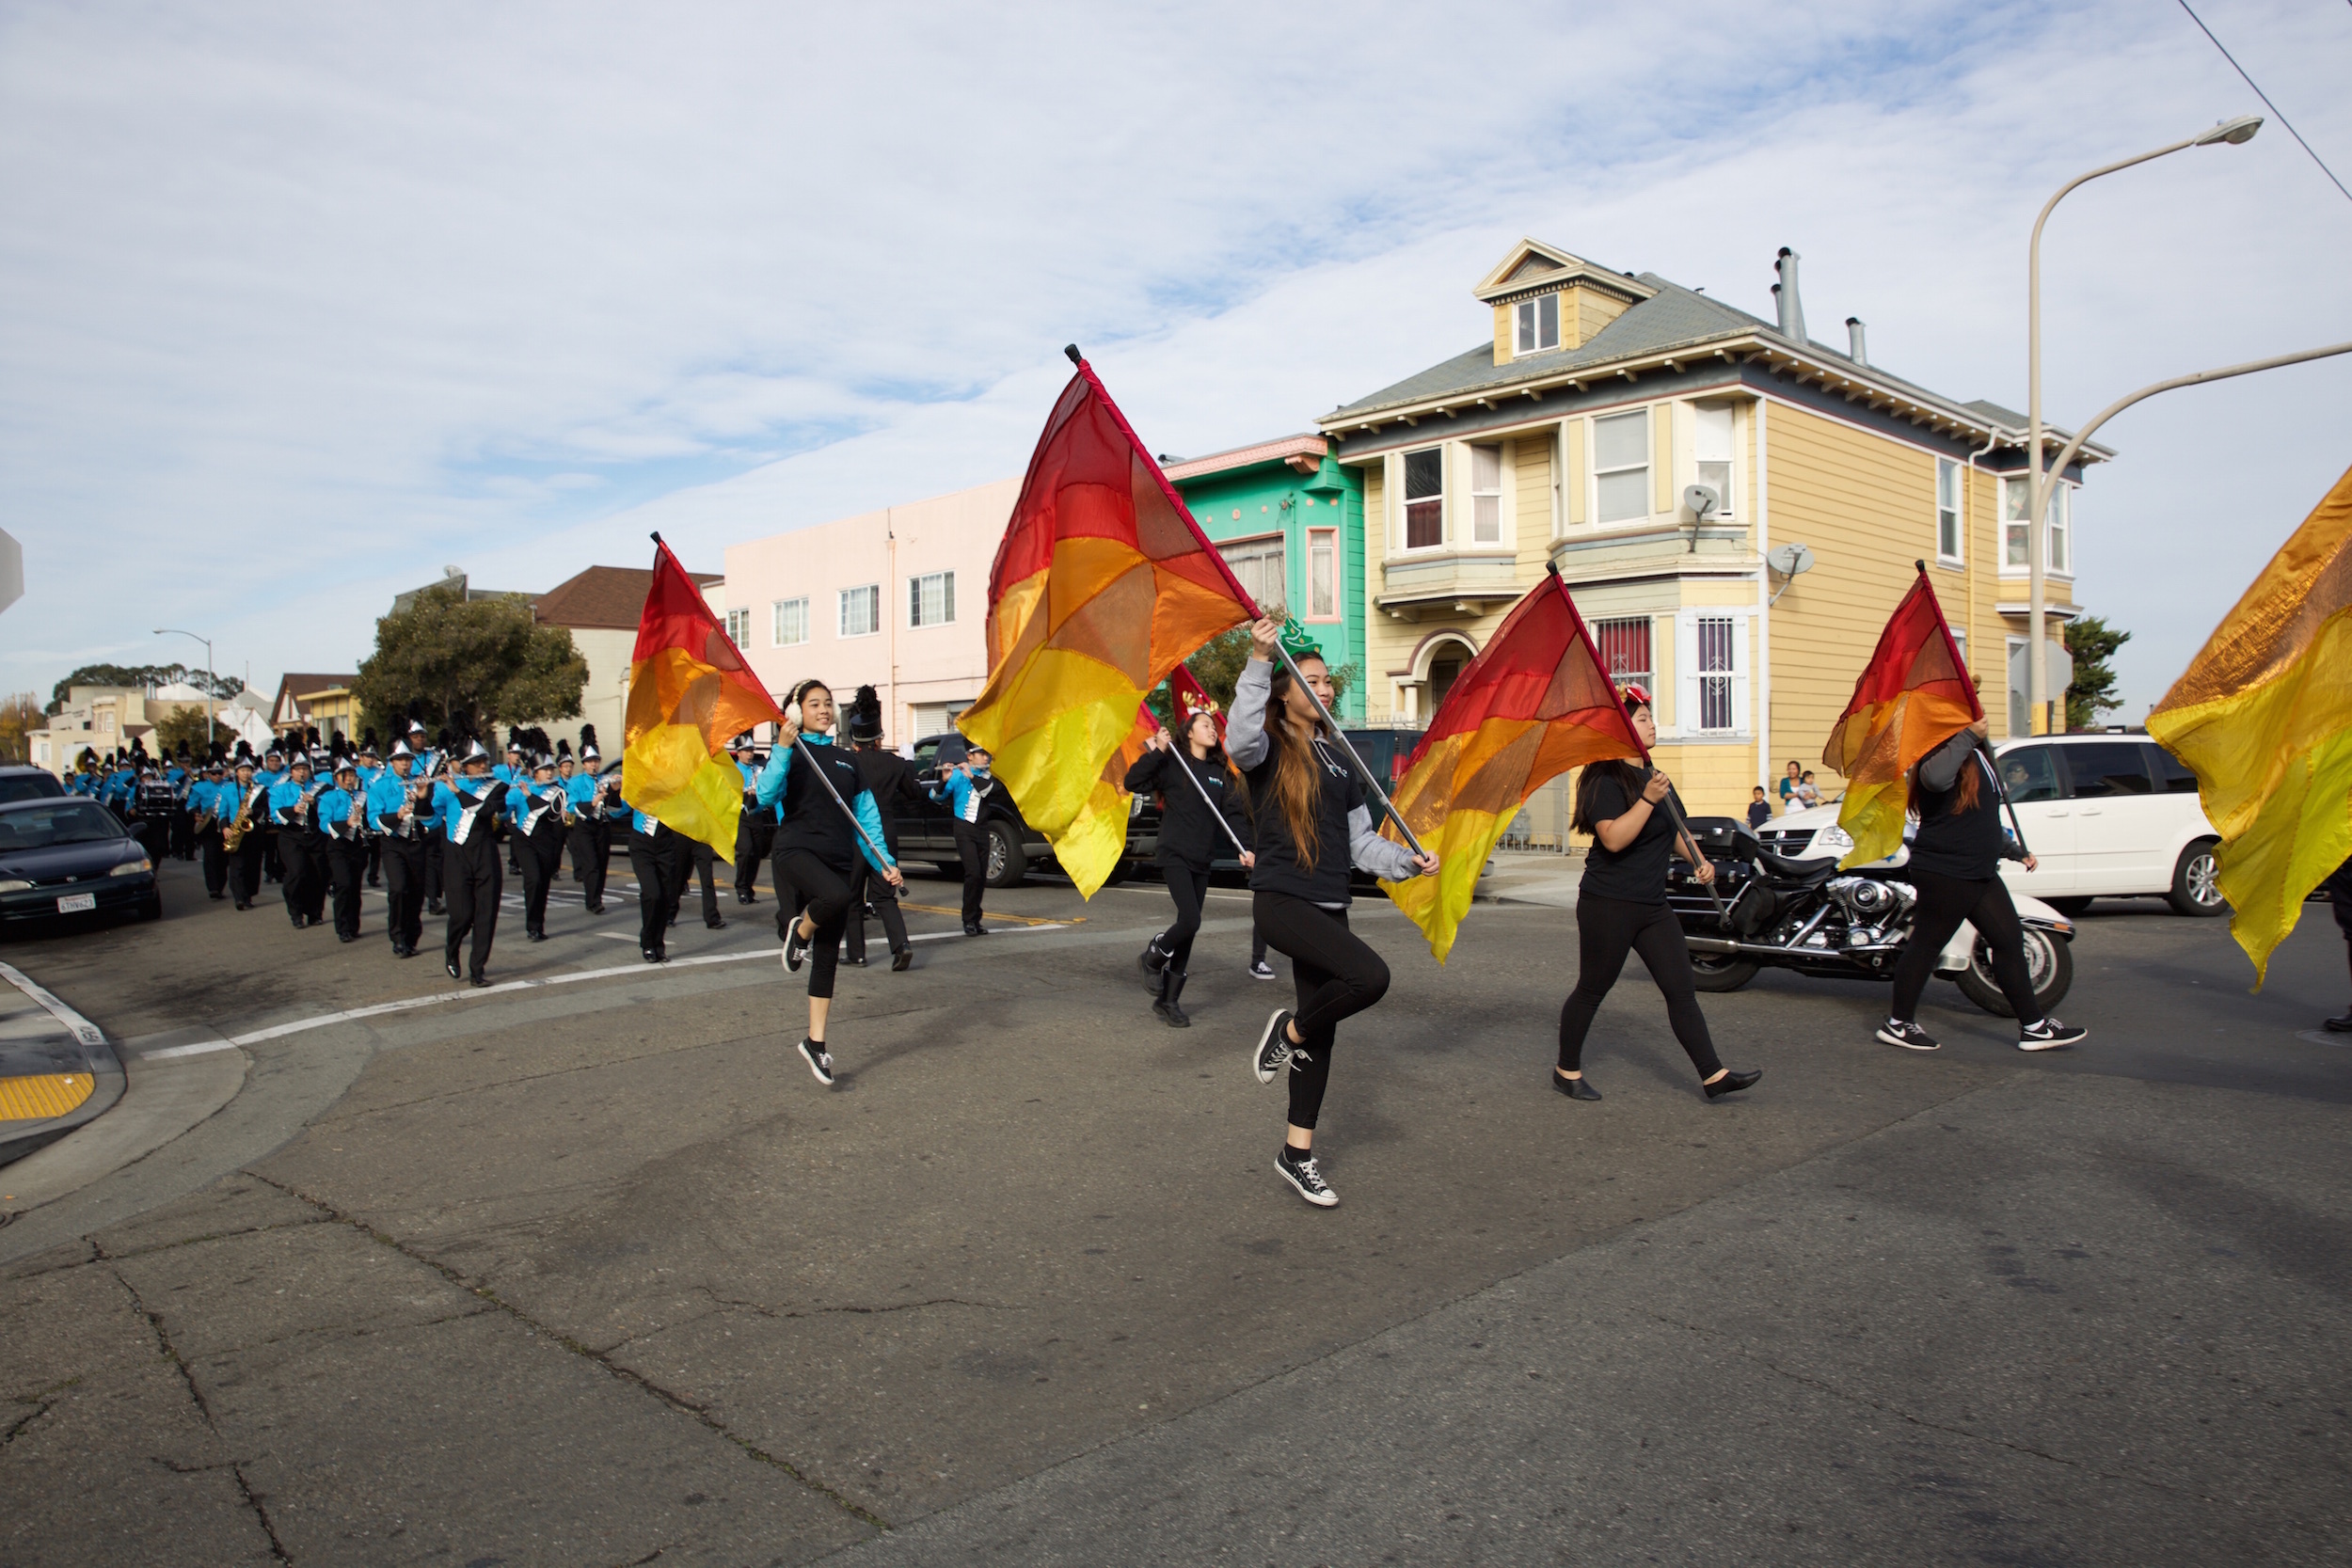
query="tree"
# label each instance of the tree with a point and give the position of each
(2092, 642)
(145, 676)
(19, 715)
(470, 664)
(185, 722)
(1218, 664)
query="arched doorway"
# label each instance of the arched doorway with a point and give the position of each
(1438, 663)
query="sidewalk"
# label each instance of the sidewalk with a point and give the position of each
(56, 1071)
(1534, 877)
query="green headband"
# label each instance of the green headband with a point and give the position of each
(1297, 642)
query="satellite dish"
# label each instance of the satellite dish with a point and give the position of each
(1791, 559)
(1701, 500)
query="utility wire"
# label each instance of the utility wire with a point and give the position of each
(2266, 102)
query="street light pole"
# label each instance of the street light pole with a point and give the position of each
(212, 682)
(2233, 132)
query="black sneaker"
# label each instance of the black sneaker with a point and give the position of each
(903, 960)
(1273, 1051)
(2050, 1035)
(1261, 970)
(1306, 1179)
(819, 1061)
(1909, 1035)
(795, 950)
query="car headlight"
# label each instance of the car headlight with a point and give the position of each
(1833, 837)
(15, 884)
(132, 868)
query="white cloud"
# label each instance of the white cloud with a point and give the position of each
(299, 304)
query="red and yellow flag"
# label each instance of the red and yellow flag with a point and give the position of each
(1913, 696)
(1534, 704)
(690, 693)
(1102, 586)
(2263, 718)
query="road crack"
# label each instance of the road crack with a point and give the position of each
(767, 1311)
(626, 1374)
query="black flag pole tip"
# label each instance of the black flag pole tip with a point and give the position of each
(1923, 567)
(657, 536)
(1072, 350)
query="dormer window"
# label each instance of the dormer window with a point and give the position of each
(1539, 324)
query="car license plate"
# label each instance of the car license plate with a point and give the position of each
(77, 903)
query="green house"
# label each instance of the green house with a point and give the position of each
(1290, 521)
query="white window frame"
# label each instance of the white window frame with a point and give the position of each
(1949, 492)
(873, 611)
(776, 622)
(948, 600)
(1485, 505)
(1702, 416)
(1338, 544)
(1406, 500)
(1528, 323)
(1592, 452)
(1690, 680)
(739, 627)
(2057, 540)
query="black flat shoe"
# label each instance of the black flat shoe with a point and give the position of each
(902, 958)
(534, 936)
(1575, 1088)
(716, 924)
(2340, 1025)
(454, 973)
(479, 982)
(1731, 1083)
(649, 955)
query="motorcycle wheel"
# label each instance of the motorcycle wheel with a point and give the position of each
(1718, 972)
(2049, 964)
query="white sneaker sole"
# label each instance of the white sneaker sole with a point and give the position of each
(1321, 1200)
(2051, 1045)
(1890, 1038)
(1269, 975)
(815, 1065)
(1257, 1053)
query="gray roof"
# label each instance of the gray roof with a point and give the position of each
(1674, 317)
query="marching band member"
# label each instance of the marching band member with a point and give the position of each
(1190, 838)
(1312, 823)
(431, 763)
(515, 773)
(538, 817)
(247, 804)
(817, 845)
(271, 774)
(660, 868)
(399, 803)
(590, 833)
(469, 807)
(890, 780)
(370, 769)
(301, 856)
(961, 789)
(342, 814)
(755, 830)
(211, 804)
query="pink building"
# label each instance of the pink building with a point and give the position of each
(895, 599)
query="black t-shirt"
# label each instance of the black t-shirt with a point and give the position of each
(1968, 845)
(811, 820)
(1760, 813)
(1637, 873)
(1189, 834)
(1277, 870)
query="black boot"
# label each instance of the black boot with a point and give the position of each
(1170, 1005)
(1153, 960)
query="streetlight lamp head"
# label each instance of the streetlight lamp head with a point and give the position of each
(2237, 132)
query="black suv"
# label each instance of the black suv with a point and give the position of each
(21, 782)
(928, 832)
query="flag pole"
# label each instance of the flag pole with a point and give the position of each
(1233, 586)
(1673, 813)
(800, 744)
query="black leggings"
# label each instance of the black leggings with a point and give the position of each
(1606, 931)
(827, 890)
(1185, 885)
(1944, 903)
(1337, 977)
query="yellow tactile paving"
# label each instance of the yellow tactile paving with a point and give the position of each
(41, 1095)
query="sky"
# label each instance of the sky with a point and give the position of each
(300, 303)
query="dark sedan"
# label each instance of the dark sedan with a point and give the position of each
(71, 857)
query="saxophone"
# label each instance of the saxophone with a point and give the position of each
(233, 830)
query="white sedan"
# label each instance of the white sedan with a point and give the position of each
(2106, 816)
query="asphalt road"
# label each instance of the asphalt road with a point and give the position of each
(590, 1271)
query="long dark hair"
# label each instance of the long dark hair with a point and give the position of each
(1967, 791)
(1297, 772)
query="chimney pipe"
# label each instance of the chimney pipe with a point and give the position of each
(1855, 350)
(1791, 307)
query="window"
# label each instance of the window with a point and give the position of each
(1621, 466)
(1710, 673)
(2172, 775)
(1539, 324)
(1257, 564)
(2030, 774)
(1625, 651)
(861, 610)
(2014, 490)
(1716, 659)
(1323, 573)
(1714, 454)
(1424, 498)
(1486, 494)
(739, 627)
(1948, 511)
(931, 599)
(2108, 770)
(791, 622)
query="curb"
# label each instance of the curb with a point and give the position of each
(84, 1049)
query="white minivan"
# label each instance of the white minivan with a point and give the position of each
(2106, 816)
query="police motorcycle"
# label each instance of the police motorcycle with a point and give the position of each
(1808, 916)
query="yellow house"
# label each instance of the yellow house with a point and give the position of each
(1665, 450)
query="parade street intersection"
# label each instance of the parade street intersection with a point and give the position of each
(583, 1267)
